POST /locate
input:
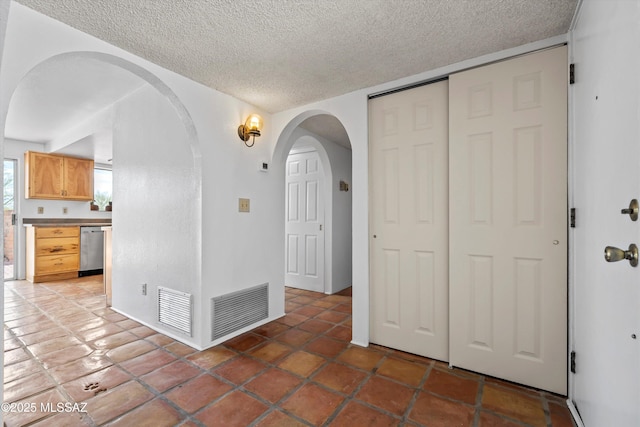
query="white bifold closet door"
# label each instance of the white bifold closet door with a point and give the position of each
(469, 227)
(409, 220)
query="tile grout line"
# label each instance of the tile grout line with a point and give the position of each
(293, 346)
(304, 380)
(233, 385)
(105, 355)
(478, 405)
(369, 374)
(417, 392)
(136, 378)
(308, 379)
(57, 385)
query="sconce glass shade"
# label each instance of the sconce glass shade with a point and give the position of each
(251, 128)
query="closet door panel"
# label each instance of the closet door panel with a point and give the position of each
(508, 220)
(409, 220)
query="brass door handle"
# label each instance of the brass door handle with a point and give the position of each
(632, 210)
(612, 254)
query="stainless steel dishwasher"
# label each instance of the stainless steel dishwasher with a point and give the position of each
(91, 251)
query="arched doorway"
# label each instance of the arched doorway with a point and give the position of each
(317, 209)
(156, 165)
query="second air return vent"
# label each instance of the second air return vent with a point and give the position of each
(175, 309)
(236, 310)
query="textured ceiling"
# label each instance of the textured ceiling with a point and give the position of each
(279, 54)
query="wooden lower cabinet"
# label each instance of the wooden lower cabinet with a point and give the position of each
(53, 253)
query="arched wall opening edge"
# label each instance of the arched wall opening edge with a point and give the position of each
(287, 138)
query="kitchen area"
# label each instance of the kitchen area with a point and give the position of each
(63, 111)
(67, 244)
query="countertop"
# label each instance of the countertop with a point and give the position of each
(57, 222)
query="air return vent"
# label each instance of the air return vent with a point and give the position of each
(236, 310)
(174, 309)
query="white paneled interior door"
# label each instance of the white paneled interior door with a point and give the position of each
(508, 219)
(304, 222)
(409, 220)
(606, 135)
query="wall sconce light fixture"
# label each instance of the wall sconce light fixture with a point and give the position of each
(250, 128)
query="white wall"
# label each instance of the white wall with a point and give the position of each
(99, 123)
(156, 197)
(340, 158)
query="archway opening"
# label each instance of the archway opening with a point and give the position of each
(95, 105)
(316, 158)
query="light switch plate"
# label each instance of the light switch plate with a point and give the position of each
(243, 205)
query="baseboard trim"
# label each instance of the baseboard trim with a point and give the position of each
(574, 413)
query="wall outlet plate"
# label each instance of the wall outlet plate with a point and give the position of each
(65, 211)
(40, 210)
(144, 289)
(243, 205)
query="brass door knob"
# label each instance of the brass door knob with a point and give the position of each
(632, 210)
(612, 254)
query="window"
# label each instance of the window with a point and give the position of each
(102, 184)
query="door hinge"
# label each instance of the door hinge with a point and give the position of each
(572, 73)
(13, 219)
(572, 218)
(573, 362)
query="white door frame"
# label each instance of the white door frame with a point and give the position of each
(16, 205)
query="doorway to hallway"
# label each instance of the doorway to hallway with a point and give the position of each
(10, 223)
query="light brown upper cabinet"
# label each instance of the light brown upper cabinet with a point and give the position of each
(51, 176)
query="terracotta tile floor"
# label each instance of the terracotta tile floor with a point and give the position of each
(63, 345)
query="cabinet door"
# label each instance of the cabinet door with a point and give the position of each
(78, 179)
(44, 175)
